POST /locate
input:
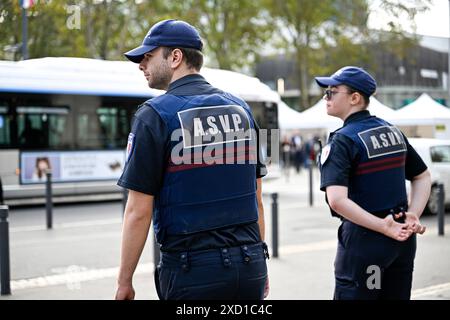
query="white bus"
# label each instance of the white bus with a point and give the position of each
(74, 115)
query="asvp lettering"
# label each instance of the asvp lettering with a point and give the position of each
(214, 124)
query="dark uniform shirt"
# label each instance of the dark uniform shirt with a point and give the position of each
(146, 165)
(344, 155)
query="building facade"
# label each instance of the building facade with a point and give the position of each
(422, 69)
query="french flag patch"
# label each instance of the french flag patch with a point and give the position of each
(130, 146)
(26, 4)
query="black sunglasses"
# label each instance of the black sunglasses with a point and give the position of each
(328, 94)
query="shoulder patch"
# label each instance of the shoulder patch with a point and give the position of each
(325, 153)
(130, 146)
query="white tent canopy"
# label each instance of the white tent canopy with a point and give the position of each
(423, 111)
(380, 110)
(288, 118)
(317, 117)
(424, 117)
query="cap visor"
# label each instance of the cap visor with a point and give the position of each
(137, 54)
(327, 81)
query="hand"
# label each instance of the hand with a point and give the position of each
(413, 221)
(125, 292)
(395, 230)
(266, 288)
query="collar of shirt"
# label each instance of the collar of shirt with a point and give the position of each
(357, 116)
(191, 84)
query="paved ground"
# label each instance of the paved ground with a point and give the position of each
(78, 258)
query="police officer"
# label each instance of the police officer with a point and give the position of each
(192, 167)
(363, 171)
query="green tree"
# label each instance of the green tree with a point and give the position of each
(47, 35)
(309, 29)
(233, 31)
(114, 26)
(104, 28)
(46, 30)
(399, 38)
(319, 35)
(10, 30)
(325, 34)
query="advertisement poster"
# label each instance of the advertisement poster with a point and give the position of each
(70, 166)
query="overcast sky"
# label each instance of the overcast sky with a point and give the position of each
(434, 22)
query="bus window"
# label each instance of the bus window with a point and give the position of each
(30, 131)
(124, 128)
(106, 129)
(41, 127)
(59, 137)
(117, 125)
(89, 134)
(108, 121)
(5, 137)
(115, 114)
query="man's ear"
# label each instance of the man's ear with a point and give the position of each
(176, 58)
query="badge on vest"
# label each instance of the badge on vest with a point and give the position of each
(325, 153)
(214, 125)
(130, 146)
(382, 141)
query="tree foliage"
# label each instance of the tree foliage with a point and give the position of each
(320, 36)
(233, 31)
(325, 35)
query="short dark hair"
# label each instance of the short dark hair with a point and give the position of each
(365, 96)
(193, 57)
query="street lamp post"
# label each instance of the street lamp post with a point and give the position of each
(24, 34)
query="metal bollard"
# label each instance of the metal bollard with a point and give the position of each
(4, 252)
(2, 200)
(441, 208)
(48, 200)
(274, 224)
(311, 200)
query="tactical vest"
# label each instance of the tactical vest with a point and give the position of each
(210, 179)
(377, 180)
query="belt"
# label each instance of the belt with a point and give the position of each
(187, 259)
(399, 209)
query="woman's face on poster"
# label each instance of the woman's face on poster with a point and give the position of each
(42, 165)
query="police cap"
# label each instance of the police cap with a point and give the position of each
(167, 33)
(354, 77)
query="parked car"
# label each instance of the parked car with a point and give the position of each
(436, 155)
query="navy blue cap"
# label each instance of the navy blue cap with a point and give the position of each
(354, 77)
(167, 33)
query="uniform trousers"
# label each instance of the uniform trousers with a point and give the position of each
(372, 266)
(235, 273)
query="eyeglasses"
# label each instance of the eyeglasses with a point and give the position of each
(328, 94)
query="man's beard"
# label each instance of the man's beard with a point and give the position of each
(160, 77)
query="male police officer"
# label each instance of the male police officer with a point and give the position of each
(363, 171)
(181, 169)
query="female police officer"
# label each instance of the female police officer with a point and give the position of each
(363, 171)
(207, 210)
